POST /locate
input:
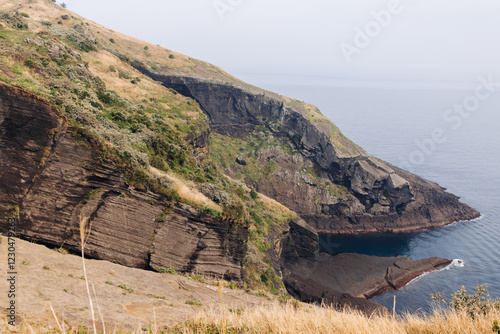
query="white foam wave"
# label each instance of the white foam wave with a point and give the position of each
(418, 277)
(455, 263)
(465, 221)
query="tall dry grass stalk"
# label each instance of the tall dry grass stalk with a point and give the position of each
(84, 233)
(55, 317)
(99, 309)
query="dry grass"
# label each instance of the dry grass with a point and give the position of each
(158, 58)
(288, 319)
(84, 233)
(310, 319)
(275, 207)
(186, 189)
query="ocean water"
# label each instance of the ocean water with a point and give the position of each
(391, 120)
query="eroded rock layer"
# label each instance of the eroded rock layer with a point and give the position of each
(380, 198)
(54, 180)
(343, 279)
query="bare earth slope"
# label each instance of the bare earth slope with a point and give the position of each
(46, 276)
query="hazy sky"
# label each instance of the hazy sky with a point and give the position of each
(390, 39)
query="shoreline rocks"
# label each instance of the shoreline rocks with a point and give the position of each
(344, 279)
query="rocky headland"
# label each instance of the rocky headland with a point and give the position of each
(169, 162)
(342, 279)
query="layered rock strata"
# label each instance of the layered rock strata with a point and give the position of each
(55, 181)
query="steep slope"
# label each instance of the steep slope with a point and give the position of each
(51, 181)
(168, 160)
(318, 173)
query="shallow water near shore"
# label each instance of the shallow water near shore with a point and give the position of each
(387, 120)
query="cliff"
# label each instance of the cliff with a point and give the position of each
(169, 161)
(53, 178)
(329, 181)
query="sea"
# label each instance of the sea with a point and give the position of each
(447, 132)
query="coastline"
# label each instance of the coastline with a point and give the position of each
(353, 279)
(399, 230)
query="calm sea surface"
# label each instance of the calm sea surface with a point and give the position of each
(387, 119)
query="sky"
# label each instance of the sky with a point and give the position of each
(424, 40)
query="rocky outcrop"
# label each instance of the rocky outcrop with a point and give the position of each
(57, 180)
(343, 279)
(358, 275)
(302, 241)
(384, 198)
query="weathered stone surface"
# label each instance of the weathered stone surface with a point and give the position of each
(343, 279)
(25, 123)
(384, 198)
(57, 181)
(303, 240)
(208, 245)
(358, 275)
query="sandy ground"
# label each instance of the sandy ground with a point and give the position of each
(46, 277)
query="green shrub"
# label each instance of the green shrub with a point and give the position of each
(194, 302)
(14, 212)
(65, 17)
(112, 68)
(146, 48)
(112, 40)
(24, 15)
(171, 56)
(124, 287)
(479, 303)
(168, 270)
(29, 63)
(47, 23)
(123, 75)
(264, 278)
(105, 97)
(86, 46)
(62, 251)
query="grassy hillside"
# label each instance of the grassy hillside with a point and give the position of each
(86, 71)
(147, 130)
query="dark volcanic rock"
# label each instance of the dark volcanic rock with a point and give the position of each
(344, 279)
(382, 198)
(358, 275)
(241, 161)
(57, 182)
(302, 241)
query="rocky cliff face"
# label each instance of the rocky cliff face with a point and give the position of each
(54, 179)
(380, 197)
